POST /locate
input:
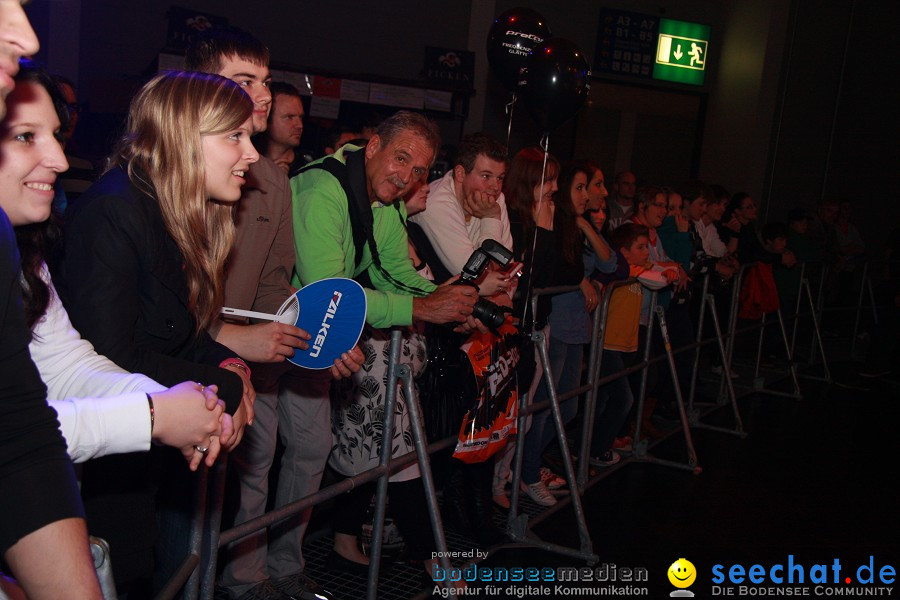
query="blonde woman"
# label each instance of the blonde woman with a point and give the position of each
(144, 261)
(146, 245)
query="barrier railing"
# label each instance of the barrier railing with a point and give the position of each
(517, 524)
(708, 303)
(758, 383)
(595, 361)
(804, 292)
(400, 371)
(640, 447)
(201, 582)
(807, 305)
(866, 285)
(187, 576)
(738, 280)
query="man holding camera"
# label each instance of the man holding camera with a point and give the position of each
(329, 244)
(349, 222)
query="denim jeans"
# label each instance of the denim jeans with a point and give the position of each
(565, 365)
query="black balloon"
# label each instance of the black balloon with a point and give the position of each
(510, 40)
(557, 82)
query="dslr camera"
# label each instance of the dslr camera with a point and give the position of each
(486, 311)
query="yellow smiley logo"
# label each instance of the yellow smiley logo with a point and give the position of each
(682, 573)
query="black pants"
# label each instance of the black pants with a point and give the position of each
(406, 506)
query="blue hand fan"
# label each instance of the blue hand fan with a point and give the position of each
(333, 311)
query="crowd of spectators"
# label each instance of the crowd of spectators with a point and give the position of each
(114, 285)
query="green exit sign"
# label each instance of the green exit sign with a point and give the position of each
(681, 52)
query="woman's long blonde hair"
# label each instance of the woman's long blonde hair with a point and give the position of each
(162, 152)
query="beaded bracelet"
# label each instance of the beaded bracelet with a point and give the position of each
(236, 362)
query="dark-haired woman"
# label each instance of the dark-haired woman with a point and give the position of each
(102, 409)
(548, 241)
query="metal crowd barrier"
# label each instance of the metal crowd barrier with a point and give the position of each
(397, 371)
(758, 383)
(595, 360)
(200, 582)
(804, 292)
(808, 304)
(401, 371)
(640, 446)
(708, 303)
(517, 524)
(186, 577)
(866, 285)
(815, 303)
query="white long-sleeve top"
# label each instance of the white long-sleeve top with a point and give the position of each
(444, 222)
(652, 279)
(709, 236)
(102, 408)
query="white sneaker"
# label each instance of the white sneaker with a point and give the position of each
(539, 493)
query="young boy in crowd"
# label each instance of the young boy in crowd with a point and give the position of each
(774, 237)
(798, 238)
(627, 307)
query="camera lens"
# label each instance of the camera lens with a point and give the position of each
(489, 313)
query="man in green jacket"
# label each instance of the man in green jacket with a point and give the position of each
(395, 159)
(398, 155)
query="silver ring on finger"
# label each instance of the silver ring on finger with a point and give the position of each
(201, 449)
